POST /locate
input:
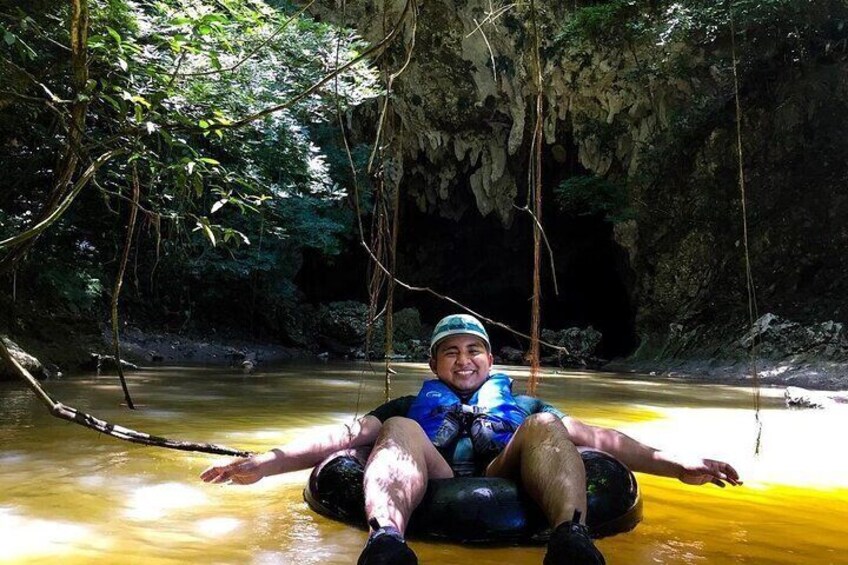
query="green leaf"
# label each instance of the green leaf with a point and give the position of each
(115, 35)
(122, 64)
(208, 231)
(209, 160)
(141, 100)
(9, 37)
(112, 102)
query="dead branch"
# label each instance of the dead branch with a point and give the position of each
(116, 431)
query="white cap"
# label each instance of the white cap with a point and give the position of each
(456, 324)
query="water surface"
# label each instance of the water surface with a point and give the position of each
(70, 494)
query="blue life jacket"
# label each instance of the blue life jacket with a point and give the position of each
(490, 417)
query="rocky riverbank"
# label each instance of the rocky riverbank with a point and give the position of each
(784, 353)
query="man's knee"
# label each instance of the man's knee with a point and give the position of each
(401, 422)
(544, 425)
(407, 435)
(543, 420)
(399, 426)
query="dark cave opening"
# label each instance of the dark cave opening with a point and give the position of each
(488, 267)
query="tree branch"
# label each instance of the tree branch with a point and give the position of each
(382, 44)
(57, 212)
(258, 48)
(116, 431)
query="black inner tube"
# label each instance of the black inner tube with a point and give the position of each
(480, 509)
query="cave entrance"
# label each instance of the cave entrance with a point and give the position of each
(595, 283)
(488, 268)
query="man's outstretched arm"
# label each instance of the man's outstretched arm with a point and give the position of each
(645, 459)
(300, 453)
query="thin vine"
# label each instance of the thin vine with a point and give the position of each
(749, 277)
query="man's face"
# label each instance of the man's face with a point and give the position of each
(462, 362)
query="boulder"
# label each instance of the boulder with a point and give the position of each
(27, 361)
(341, 326)
(580, 343)
(511, 355)
(409, 339)
(797, 397)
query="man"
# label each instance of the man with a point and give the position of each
(467, 421)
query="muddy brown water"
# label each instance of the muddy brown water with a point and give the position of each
(72, 496)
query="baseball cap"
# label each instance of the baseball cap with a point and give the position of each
(458, 324)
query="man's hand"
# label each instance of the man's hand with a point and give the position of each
(708, 471)
(240, 471)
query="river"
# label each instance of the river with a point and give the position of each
(68, 494)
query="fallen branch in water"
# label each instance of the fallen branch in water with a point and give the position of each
(71, 414)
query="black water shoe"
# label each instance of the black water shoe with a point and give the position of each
(386, 546)
(570, 544)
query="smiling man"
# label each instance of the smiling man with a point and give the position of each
(467, 422)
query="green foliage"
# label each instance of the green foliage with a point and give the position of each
(79, 290)
(170, 80)
(593, 196)
(764, 27)
(607, 23)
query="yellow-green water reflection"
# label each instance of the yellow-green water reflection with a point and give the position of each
(69, 494)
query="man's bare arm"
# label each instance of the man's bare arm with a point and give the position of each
(645, 459)
(300, 453)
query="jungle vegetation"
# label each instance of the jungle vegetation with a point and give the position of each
(196, 114)
(193, 147)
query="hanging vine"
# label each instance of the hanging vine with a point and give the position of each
(119, 281)
(535, 184)
(749, 278)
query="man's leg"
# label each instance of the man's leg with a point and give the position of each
(541, 456)
(402, 462)
(543, 459)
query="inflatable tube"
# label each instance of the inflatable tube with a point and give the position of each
(480, 509)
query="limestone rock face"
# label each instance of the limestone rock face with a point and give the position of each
(778, 338)
(464, 103)
(653, 110)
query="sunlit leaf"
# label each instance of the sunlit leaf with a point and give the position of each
(203, 225)
(217, 205)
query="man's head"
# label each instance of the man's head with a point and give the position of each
(460, 353)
